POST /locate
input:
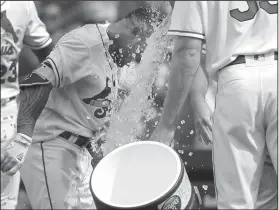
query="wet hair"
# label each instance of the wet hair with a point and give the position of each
(147, 16)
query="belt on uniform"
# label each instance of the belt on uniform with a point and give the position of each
(81, 141)
(241, 59)
(7, 100)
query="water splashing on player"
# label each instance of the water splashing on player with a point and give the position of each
(127, 120)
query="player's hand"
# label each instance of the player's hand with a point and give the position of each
(15, 153)
(203, 121)
(163, 134)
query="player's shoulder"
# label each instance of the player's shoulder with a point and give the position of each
(14, 5)
(89, 35)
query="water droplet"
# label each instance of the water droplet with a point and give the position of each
(190, 153)
(181, 151)
(178, 127)
(205, 187)
(185, 163)
(191, 132)
(182, 122)
(116, 36)
(87, 117)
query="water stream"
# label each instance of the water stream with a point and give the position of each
(124, 124)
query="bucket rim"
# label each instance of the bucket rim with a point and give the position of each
(169, 190)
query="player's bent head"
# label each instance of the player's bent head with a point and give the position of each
(141, 21)
(132, 32)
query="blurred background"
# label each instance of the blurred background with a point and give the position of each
(63, 16)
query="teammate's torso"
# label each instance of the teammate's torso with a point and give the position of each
(14, 21)
(238, 28)
(81, 107)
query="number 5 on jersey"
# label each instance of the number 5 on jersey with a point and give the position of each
(253, 8)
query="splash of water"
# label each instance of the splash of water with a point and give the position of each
(125, 122)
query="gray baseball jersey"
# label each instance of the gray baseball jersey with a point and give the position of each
(82, 74)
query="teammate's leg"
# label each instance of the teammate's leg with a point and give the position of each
(9, 190)
(268, 192)
(56, 175)
(8, 123)
(9, 184)
(238, 133)
(269, 83)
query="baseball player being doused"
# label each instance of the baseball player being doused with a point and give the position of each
(241, 54)
(65, 104)
(20, 25)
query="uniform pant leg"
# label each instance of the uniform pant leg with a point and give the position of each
(9, 190)
(79, 197)
(270, 91)
(239, 141)
(268, 192)
(9, 184)
(52, 173)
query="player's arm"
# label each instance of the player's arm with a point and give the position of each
(184, 65)
(202, 114)
(187, 29)
(33, 97)
(200, 84)
(42, 53)
(36, 35)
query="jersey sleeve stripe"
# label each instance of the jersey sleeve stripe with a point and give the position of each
(52, 63)
(34, 79)
(42, 45)
(186, 33)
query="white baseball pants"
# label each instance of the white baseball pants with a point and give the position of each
(56, 175)
(9, 184)
(244, 125)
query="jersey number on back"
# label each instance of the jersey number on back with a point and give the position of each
(253, 8)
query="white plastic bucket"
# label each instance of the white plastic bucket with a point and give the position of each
(142, 175)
